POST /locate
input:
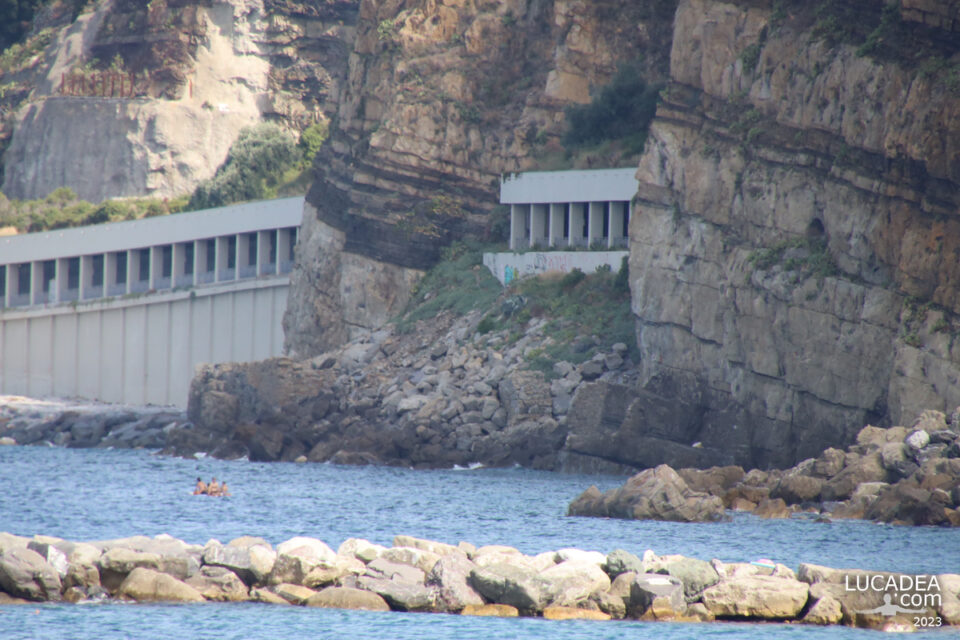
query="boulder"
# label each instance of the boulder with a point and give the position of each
(620, 561)
(297, 557)
(867, 468)
(267, 597)
(117, 563)
(610, 604)
(306, 546)
(437, 548)
(829, 463)
(650, 590)
(510, 584)
(388, 570)
(907, 502)
(420, 558)
(761, 597)
(326, 574)
(252, 563)
(25, 574)
(917, 440)
(361, 549)
(573, 613)
(772, 508)
(52, 555)
(293, 593)
(652, 494)
(400, 594)
(525, 394)
(798, 488)
(573, 581)
(347, 598)
(449, 577)
(695, 575)
(824, 611)
(490, 610)
(578, 555)
(148, 585)
(219, 584)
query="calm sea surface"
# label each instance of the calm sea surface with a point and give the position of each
(96, 494)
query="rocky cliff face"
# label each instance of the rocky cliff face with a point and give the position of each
(137, 98)
(441, 97)
(794, 256)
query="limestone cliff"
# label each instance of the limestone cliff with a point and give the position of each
(136, 98)
(441, 97)
(794, 264)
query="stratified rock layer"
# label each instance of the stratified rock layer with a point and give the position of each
(440, 99)
(797, 205)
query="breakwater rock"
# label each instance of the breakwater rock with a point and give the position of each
(900, 475)
(424, 575)
(80, 425)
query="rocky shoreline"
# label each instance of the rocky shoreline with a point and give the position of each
(424, 575)
(82, 424)
(900, 475)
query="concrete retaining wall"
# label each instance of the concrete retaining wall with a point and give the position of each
(507, 267)
(139, 350)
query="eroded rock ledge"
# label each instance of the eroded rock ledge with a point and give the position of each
(423, 575)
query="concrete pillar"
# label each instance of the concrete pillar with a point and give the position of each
(617, 220)
(36, 283)
(86, 277)
(178, 268)
(133, 270)
(539, 225)
(519, 214)
(577, 221)
(286, 239)
(223, 259)
(266, 252)
(5, 284)
(557, 213)
(595, 223)
(243, 255)
(68, 289)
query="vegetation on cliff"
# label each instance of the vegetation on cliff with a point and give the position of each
(62, 208)
(585, 314)
(263, 163)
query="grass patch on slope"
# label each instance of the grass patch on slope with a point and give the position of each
(585, 313)
(458, 283)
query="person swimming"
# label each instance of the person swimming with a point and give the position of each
(213, 489)
(224, 490)
(201, 488)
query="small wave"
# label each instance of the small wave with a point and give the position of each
(473, 466)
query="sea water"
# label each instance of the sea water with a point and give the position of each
(101, 494)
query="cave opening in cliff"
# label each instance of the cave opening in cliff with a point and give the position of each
(815, 229)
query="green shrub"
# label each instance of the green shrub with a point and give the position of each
(486, 325)
(622, 110)
(572, 279)
(254, 167)
(312, 139)
(621, 283)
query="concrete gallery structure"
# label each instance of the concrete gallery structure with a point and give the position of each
(124, 311)
(586, 212)
(578, 209)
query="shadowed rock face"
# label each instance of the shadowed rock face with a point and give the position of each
(440, 99)
(786, 214)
